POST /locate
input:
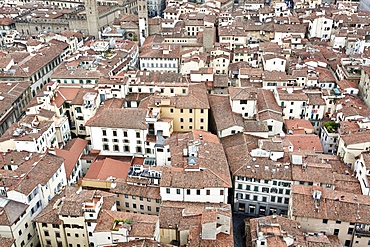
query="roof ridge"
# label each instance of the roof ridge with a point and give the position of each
(218, 176)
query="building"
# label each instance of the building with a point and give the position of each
(293, 102)
(261, 185)
(72, 153)
(53, 20)
(244, 101)
(364, 85)
(192, 173)
(114, 227)
(269, 112)
(361, 168)
(14, 97)
(196, 223)
(279, 231)
(124, 134)
(17, 222)
(163, 58)
(103, 173)
(331, 212)
(29, 134)
(35, 180)
(329, 137)
(136, 197)
(71, 217)
(353, 144)
(223, 120)
(298, 126)
(37, 68)
(186, 111)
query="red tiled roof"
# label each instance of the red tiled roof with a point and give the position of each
(103, 169)
(72, 155)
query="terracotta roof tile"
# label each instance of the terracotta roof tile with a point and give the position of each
(72, 155)
(106, 168)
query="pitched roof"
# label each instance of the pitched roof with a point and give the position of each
(11, 211)
(333, 205)
(72, 155)
(141, 225)
(106, 168)
(222, 113)
(211, 168)
(125, 118)
(308, 142)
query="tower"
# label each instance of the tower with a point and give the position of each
(92, 16)
(142, 11)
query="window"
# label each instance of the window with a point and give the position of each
(20, 232)
(221, 192)
(188, 191)
(114, 132)
(198, 192)
(190, 110)
(325, 221)
(137, 134)
(171, 110)
(350, 231)
(208, 192)
(127, 205)
(141, 207)
(178, 191)
(336, 232)
(243, 102)
(149, 208)
(190, 120)
(134, 205)
(48, 242)
(46, 233)
(57, 234)
(181, 120)
(104, 132)
(168, 190)
(202, 111)
(338, 222)
(76, 235)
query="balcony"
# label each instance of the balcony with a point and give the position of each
(362, 233)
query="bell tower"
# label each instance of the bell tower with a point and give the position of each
(92, 16)
(142, 11)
